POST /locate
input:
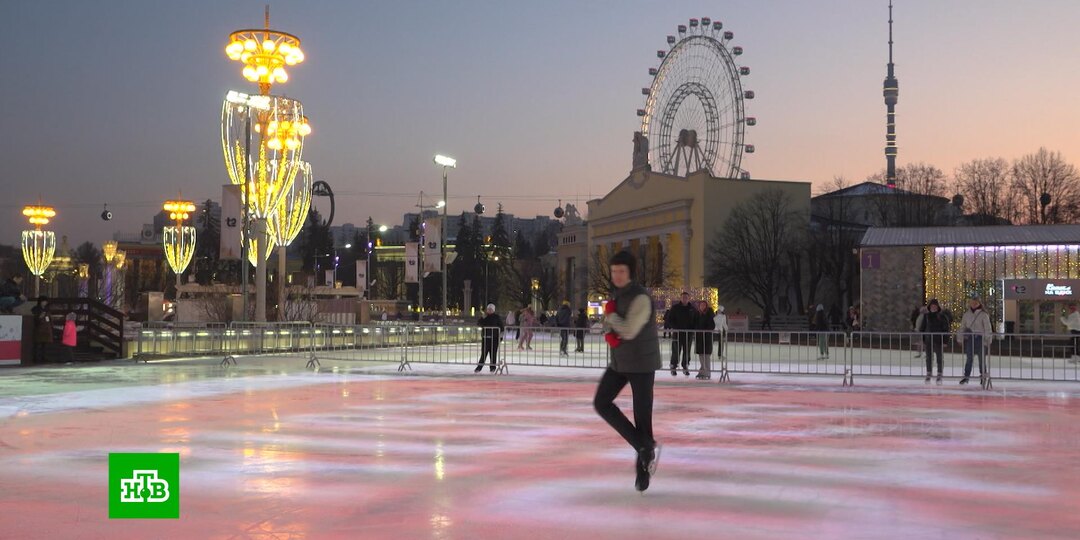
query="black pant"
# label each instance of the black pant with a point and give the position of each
(1076, 341)
(640, 433)
(680, 347)
(934, 346)
(490, 346)
(579, 335)
(39, 352)
(564, 337)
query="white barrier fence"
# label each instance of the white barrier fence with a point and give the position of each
(1014, 357)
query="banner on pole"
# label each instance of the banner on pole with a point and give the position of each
(329, 278)
(432, 244)
(361, 277)
(412, 260)
(231, 223)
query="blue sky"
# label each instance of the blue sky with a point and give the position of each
(118, 101)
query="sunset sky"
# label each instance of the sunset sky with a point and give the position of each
(119, 102)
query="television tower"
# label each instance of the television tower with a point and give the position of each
(892, 92)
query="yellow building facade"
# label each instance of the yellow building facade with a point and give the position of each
(669, 221)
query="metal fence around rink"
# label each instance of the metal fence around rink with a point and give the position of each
(846, 355)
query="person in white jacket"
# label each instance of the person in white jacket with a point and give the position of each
(1072, 322)
(721, 329)
(977, 331)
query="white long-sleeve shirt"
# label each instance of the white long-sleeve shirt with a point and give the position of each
(1072, 322)
(977, 322)
(636, 318)
(720, 321)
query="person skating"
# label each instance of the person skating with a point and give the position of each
(492, 325)
(511, 323)
(580, 324)
(635, 357)
(703, 339)
(720, 326)
(528, 325)
(977, 331)
(564, 319)
(821, 327)
(1072, 322)
(934, 326)
(681, 320)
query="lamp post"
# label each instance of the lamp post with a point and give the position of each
(446, 163)
(38, 246)
(179, 240)
(280, 127)
(420, 252)
(367, 275)
(487, 260)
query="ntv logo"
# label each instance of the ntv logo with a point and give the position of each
(145, 486)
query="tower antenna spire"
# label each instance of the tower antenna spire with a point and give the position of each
(892, 94)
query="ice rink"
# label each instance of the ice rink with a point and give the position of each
(269, 450)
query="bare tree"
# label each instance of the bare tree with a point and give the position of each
(918, 200)
(518, 286)
(548, 280)
(988, 191)
(599, 276)
(838, 235)
(1046, 173)
(748, 256)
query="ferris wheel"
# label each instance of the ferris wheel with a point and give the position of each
(693, 117)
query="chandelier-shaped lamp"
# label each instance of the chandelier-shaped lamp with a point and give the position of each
(262, 139)
(108, 250)
(179, 239)
(292, 212)
(271, 130)
(38, 246)
(264, 53)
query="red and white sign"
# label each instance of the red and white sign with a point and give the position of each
(10, 339)
(738, 322)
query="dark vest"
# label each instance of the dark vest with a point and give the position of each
(641, 354)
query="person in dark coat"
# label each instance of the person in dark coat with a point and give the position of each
(703, 338)
(935, 329)
(580, 324)
(821, 327)
(635, 356)
(11, 295)
(564, 320)
(492, 325)
(43, 331)
(682, 319)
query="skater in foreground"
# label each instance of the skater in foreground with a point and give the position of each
(635, 357)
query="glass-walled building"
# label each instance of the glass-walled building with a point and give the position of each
(1026, 275)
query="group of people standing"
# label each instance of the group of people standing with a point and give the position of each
(975, 334)
(695, 324)
(523, 324)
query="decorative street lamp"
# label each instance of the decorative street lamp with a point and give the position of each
(273, 126)
(38, 246)
(108, 250)
(287, 222)
(179, 239)
(446, 163)
(264, 53)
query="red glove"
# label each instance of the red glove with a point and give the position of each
(612, 339)
(609, 307)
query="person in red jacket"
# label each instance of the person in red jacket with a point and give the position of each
(635, 357)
